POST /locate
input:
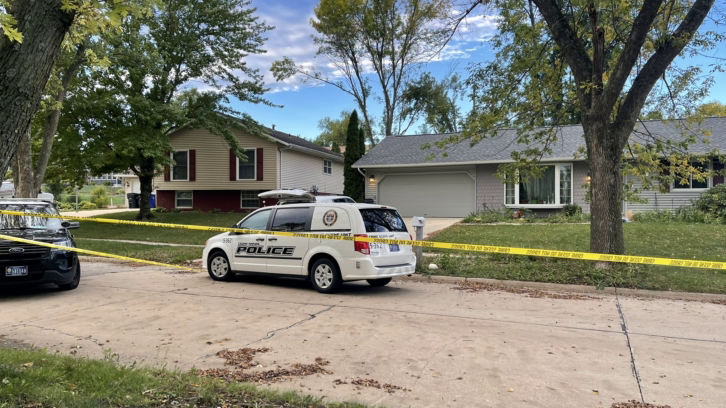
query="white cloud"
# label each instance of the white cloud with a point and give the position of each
(292, 38)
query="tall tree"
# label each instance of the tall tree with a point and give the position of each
(45, 123)
(353, 180)
(33, 32)
(122, 118)
(711, 109)
(611, 56)
(394, 36)
(435, 100)
(335, 147)
(333, 130)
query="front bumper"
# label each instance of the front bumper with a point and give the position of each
(369, 271)
(57, 268)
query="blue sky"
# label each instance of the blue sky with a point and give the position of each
(306, 103)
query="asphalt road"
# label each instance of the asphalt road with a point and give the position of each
(442, 346)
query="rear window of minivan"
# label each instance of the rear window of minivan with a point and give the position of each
(382, 220)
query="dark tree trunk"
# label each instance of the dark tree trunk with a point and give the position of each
(51, 122)
(25, 67)
(26, 181)
(146, 180)
(606, 227)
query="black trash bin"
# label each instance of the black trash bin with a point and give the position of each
(133, 203)
(138, 200)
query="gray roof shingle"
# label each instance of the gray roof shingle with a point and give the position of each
(403, 150)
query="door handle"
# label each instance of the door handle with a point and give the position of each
(260, 239)
(272, 239)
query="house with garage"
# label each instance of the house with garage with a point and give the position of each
(207, 175)
(401, 174)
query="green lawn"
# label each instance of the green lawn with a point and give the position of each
(90, 229)
(688, 241)
(157, 253)
(32, 378)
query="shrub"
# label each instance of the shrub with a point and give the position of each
(99, 196)
(488, 216)
(107, 183)
(160, 210)
(713, 202)
(85, 205)
(215, 211)
(66, 206)
(571, 210)
(56, 188)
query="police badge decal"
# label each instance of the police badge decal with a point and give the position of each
(330, 217)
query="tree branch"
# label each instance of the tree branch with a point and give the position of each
(630, 54)
(571, 46)
(655, 67)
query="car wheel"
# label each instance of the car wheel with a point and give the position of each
(379, 282)
(75, 282)
(218, 267)
(325, 276)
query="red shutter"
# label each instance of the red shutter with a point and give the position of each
(260, 166)
(192, 165)
(167, 172)
(717, 166)
(232, 166)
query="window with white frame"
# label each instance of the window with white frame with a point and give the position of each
(250, 199)
(690, 182)
(247, 170)
(184, 199)
(180, 172)
(552, 188)
(327, 167)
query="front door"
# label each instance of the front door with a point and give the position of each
(250, 249)
(285, 254)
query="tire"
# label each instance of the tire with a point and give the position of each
(325, 276)
(218, 267)
(379, 282)
(76, 280)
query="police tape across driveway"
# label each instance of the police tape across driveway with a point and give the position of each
(96, 253)
(545, 253)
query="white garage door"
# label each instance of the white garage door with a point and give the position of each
(436, 195)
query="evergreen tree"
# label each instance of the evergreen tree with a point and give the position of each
(353, 186)
(335, 148)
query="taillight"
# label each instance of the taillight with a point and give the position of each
(362, 247)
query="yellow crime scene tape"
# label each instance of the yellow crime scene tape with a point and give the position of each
(86, 251)
(545, 253)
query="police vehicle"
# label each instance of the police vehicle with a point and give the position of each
(24, 263)
(326, 262)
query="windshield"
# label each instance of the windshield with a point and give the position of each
(380, 220)
(20, 222)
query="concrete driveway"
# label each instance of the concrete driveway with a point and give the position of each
(443, 347)
(433, 225)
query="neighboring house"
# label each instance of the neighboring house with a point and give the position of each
(207, 175)
(400, 174)
(113, 178)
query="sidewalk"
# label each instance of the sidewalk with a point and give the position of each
(93, 213)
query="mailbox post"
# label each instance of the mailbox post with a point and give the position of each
(418, 224)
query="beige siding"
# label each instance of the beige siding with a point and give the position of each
(301, 170)
(212, 162)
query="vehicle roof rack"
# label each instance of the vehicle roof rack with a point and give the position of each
(289, 196)
(14, 199)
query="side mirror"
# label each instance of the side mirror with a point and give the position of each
(234, 225)
(71, 225)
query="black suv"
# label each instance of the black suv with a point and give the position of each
(22, 263)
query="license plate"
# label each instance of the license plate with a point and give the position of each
(394, 248)
(16, 271)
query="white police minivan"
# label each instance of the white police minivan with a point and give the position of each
(326, 262)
